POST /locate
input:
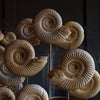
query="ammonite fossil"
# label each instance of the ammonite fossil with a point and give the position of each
(77, 67)
(20, 59)
(9, 37)
(32, 92)
(89, 90)
(24, 31)
(6, 77)
(6, 94)
(75, 38)
(45, 25)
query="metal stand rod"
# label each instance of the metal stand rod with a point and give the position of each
(68, 95)
(50, 68)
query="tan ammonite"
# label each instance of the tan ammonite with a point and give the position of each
(20, 58)
(6, 94)
(45, 25)
(75, 37)
(24, 31)
(6, 77)
(9, 37)
(32, 92)
(89, 90)
(77, 68)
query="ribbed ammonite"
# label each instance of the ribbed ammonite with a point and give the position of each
(9, 37)
(6, 94)
(47, 25)
(77, 67)
(6, 77)
(75, 37)
(24, 31)
(32, 92)
(89, 90)
(20, 58)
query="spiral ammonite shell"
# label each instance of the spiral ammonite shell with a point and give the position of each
(19, 58)
(9, 37)
(45, 25)
(24, 31)
(75, 38)
(6, 77)
(32, 92)
(6, 94)
(89, 90)
(77, 67)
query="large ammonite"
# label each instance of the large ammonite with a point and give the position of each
(75, 38)
(6, 77)
(32, 92)
(77, 67)
(24, 31)
(89, 90)
(6, 94)
(45, 25)
(9, 37)
(20, 59)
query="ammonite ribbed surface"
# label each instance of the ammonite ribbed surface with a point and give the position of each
(45, 24)
(75, 38)
(6, 77)
(32, 92)
(6, 94)
(21, 59)
(77, 67)
(24, 31)
(89, 90)
(9, 37)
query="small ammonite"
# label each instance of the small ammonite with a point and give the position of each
(32, 92)
(25, 31)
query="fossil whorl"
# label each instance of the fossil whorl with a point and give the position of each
(20, 59)
(9, 37)
(45, 25)
(6, 94)
(16, 88)
(89, 90)
(6, 77)
(77, 67)
(75, 38)
(24, 31)
(32, 92)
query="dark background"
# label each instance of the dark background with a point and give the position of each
(86, 12)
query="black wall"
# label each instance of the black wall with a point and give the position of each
(86, 12)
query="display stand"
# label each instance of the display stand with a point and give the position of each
(49, 84)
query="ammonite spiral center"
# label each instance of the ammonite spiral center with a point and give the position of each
(33, 97)
(49, 23)
(27, 30)
(75, 68)
(73, 35)
(20, 56)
